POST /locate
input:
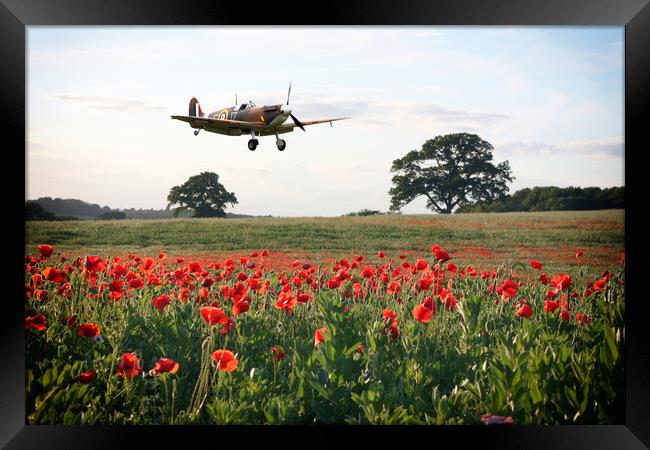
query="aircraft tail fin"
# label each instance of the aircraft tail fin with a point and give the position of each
(194, 104)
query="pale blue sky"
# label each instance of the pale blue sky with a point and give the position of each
(549, 99)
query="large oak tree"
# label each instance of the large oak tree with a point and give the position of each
(202, 194)
(450, 171)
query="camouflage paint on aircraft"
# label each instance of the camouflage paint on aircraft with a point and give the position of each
(248, 118)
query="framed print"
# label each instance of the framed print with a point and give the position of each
(382, 221)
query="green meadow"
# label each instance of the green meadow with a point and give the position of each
(555, 235)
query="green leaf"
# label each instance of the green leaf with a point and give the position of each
(535, 394)
(319, 389)
(610, 338)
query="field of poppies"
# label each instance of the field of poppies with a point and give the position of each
(381, 337)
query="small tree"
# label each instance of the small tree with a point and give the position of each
(202, 194)
(450, 171)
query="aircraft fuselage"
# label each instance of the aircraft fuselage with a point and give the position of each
(271, 116)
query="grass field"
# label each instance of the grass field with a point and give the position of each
(515, 318)
(474, 238)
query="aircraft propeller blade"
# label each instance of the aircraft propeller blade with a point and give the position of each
(288, 94)
(297, 122)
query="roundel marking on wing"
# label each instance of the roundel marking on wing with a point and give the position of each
(223, 115)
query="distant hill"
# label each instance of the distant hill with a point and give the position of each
(33, 211)
(71, 207)
(47, 208)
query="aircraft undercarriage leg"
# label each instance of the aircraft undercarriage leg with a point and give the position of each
(280, 143)
(253, 142)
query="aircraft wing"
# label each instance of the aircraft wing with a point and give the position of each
(310, 122)
(202, 122)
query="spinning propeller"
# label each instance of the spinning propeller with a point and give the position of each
(294, 118)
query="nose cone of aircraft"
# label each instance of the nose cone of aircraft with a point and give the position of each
(285, 110)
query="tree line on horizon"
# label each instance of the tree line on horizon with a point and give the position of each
(553, 198)
(59, 209)
(538, 198)
(454, 172)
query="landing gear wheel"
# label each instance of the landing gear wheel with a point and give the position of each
(196, 132)
(252, 144)
(281, 144)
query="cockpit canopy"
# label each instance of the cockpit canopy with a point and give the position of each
(244, 106)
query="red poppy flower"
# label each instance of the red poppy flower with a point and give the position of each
(94, 264)
(333, 283)
(394, 331)
(508, 288)
(391, 319)
(147, 264)
(54, 275)
(579, 253)
(368, 271)
(161, 302)
(129, 366)
(166, 365)
(496, 420)
(87, 377)
(424, 284)
(440, 254)
(116, 286)
(381, 254)
(225, 359)
(68, 321)
(89, 330)
(583, 320)
(228, 326)
(45, 250)
(600, 284)
(278, 354)
(550, 306)
(37, 280)
(389, 315)
(161, 255)
(195, 267)
(264, 253)
(39, 322)
(421, 264)
(422, 313)
(565, 315)
(136, 283)
(394, 288)
(303, 297)
(241, 306)
(535, 264)
(213, 315)
(286, 301)
(562, 281)
(318, 336)
(524, 311)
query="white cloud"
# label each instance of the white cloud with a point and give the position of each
(383, 112)
(108, 103)
(593, 149)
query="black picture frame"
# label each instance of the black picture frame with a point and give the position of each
(634, 15)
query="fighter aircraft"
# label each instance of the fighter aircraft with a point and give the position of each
(248, 118)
